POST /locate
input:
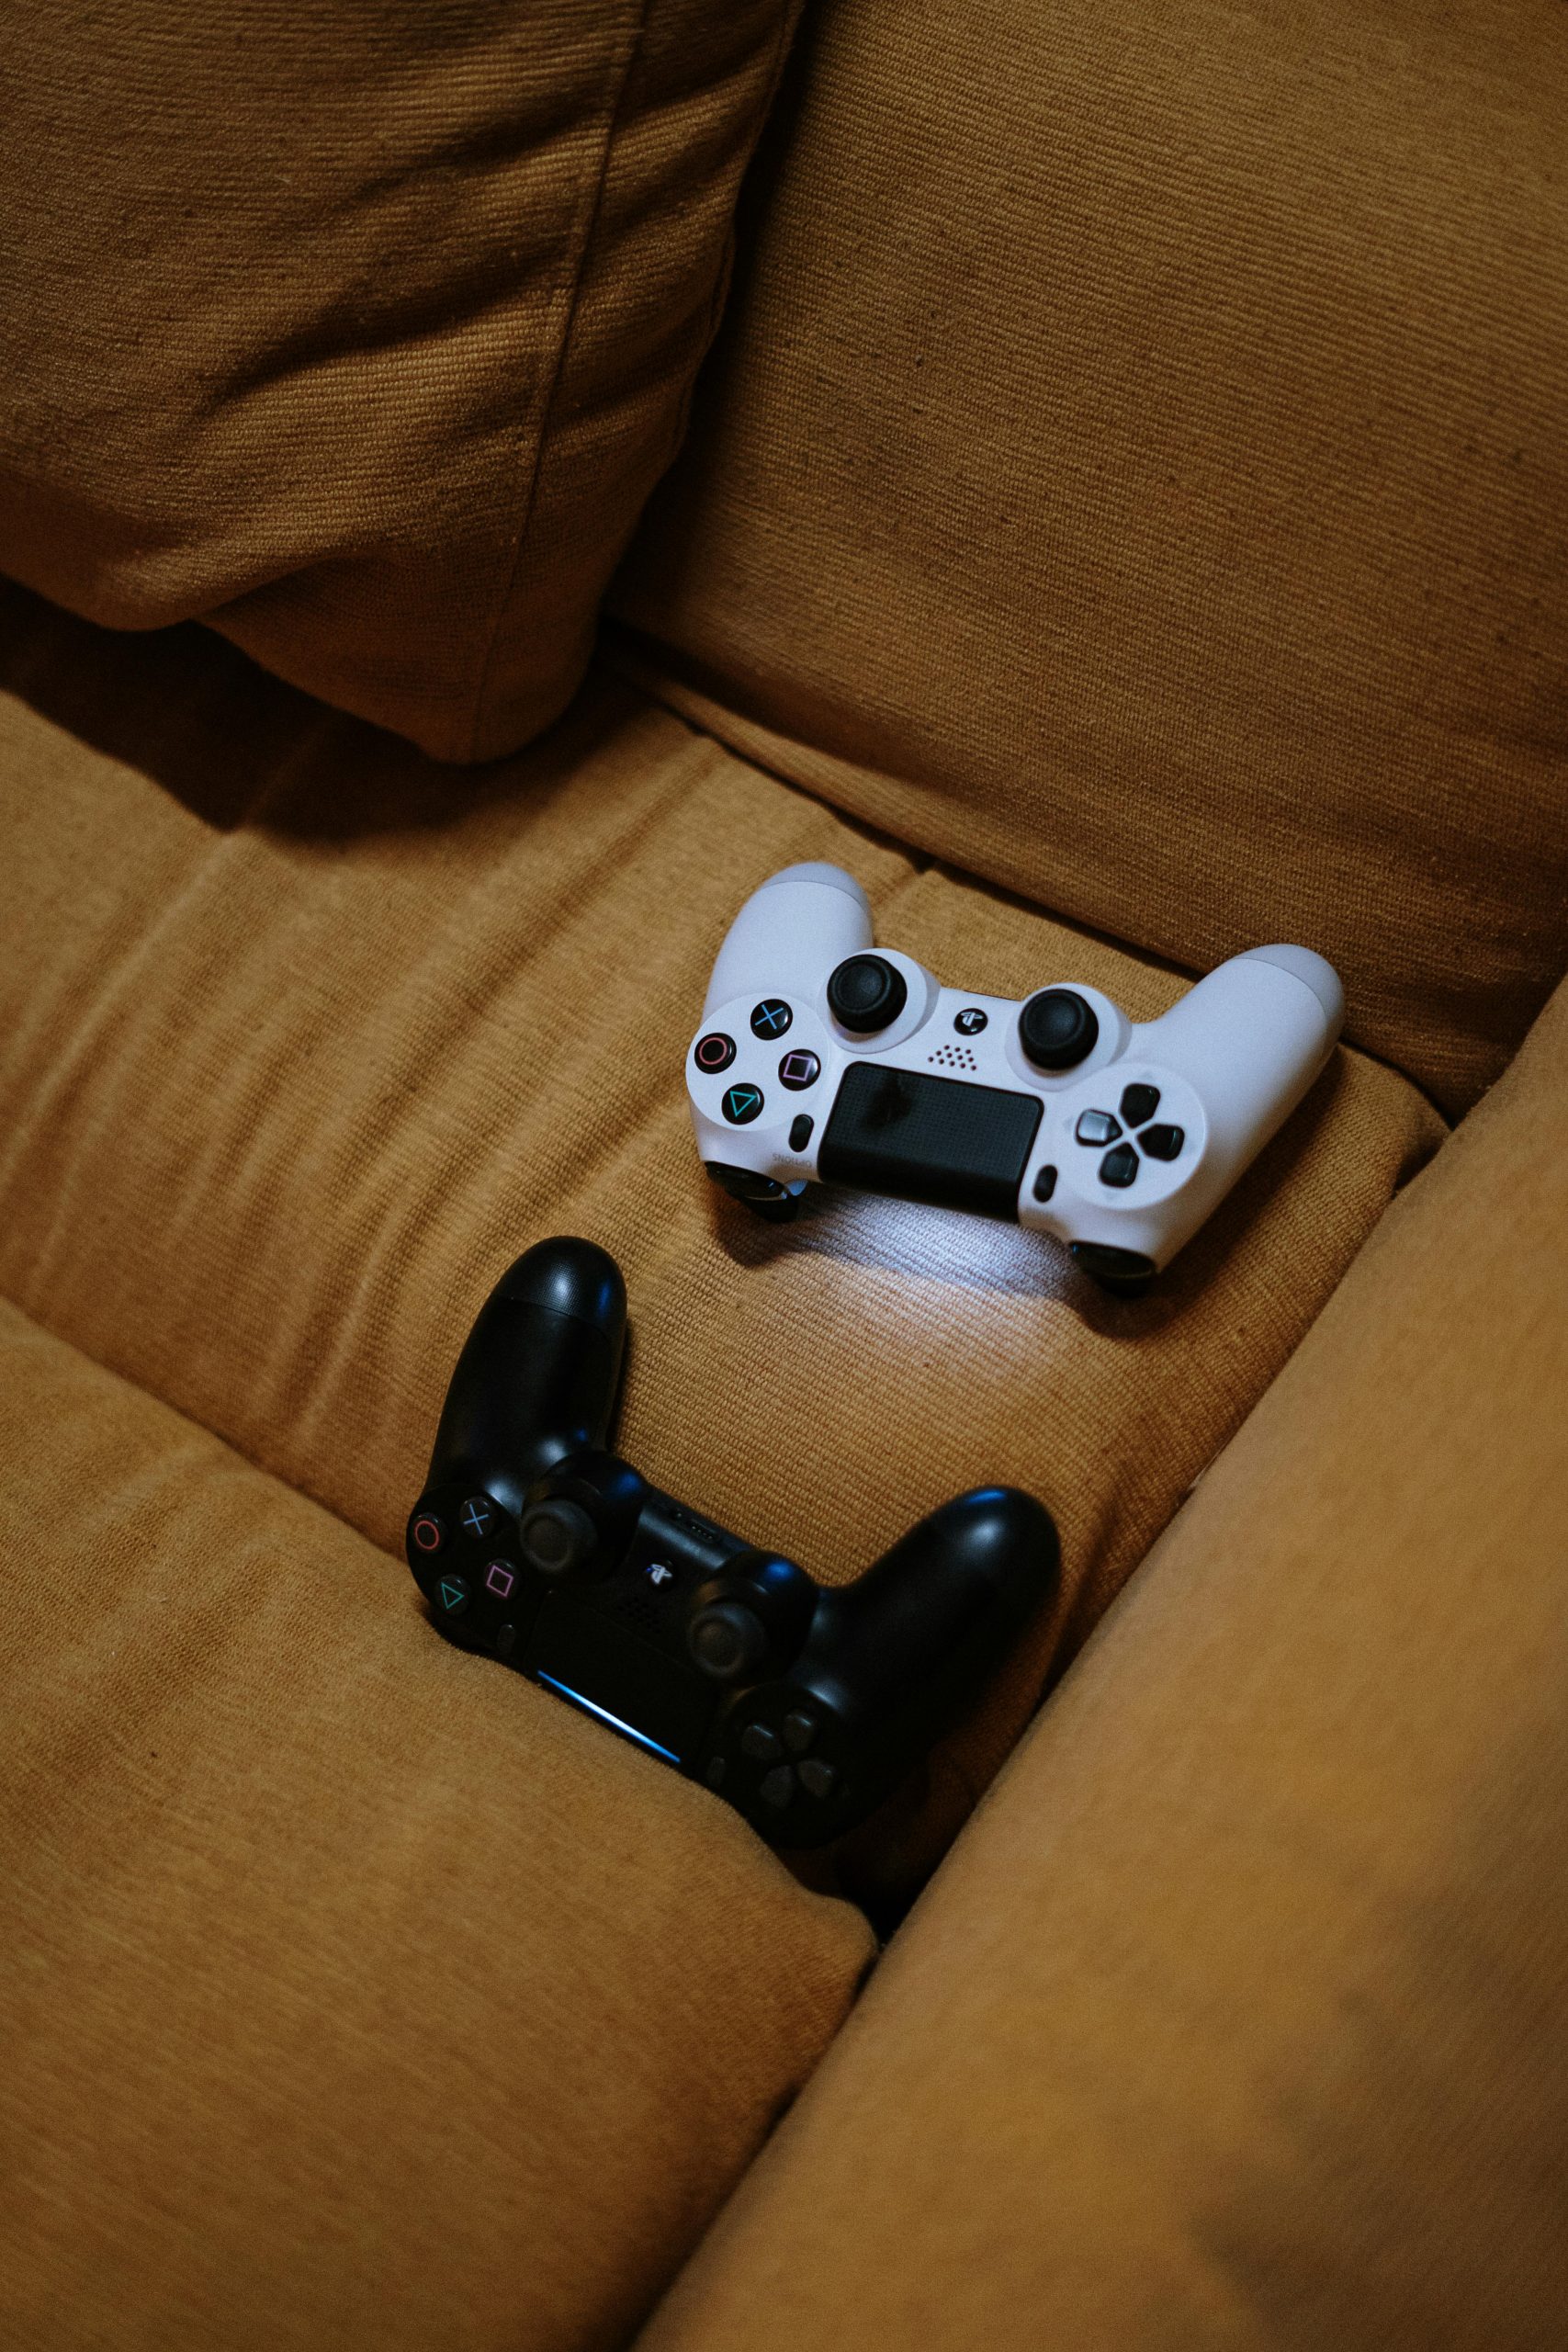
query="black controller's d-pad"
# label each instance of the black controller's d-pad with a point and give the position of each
(784, 1762)
(1138, 1105)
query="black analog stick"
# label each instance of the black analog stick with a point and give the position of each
(1057, 1029)
(726, 1639)
(557, 1537)
(866, 992)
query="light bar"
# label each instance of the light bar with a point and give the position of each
(626, 1730)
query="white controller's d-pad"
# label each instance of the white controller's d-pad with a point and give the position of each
(1132, 1133)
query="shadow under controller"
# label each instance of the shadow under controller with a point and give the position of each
(802, 1705)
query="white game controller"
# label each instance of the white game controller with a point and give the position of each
(821, 1059)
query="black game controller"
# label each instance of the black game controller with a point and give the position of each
(803, 1705)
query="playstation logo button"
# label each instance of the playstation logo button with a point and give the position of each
(714, 1052)
(970, 1021)
(741, 1104)
(799, 1068)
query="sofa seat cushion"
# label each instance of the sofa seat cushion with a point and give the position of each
(354, 1993)
(298, 1048)
(1132, 466)
(363, 328)
(1237, 2021)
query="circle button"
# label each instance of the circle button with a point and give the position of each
(741, 1104)
(714, 1052)
(426, 1532)
(970, 1021)
(771, 1017)
(799, 1068)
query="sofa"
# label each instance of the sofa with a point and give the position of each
(479, 492)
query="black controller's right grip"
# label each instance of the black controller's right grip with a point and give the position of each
(922, 1627)
(891, 1661)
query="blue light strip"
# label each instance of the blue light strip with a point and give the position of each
(615, 1722)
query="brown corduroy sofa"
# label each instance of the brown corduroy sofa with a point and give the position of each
(1122, 516)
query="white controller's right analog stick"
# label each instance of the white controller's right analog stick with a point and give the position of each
(1057, 1030)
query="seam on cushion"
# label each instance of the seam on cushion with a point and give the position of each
(162, 1404)
(585, 247)
(718, 296)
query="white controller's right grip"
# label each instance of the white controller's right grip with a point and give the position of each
(1250, 1039)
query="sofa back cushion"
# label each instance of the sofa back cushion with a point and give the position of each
(1133, 467)
(362, 330)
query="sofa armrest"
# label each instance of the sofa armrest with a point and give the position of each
(1239, 2016)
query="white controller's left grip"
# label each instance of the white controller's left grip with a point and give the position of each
(791, 933)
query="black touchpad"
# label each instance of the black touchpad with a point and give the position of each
(587, 1658)
(930, 1138)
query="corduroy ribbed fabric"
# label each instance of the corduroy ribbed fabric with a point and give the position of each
(362, 331)
(1133, 467)
(1238, 2021)
(353, 1993)
(298, 1049)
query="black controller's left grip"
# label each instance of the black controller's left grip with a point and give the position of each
(911, 1642)
(538, 1377)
